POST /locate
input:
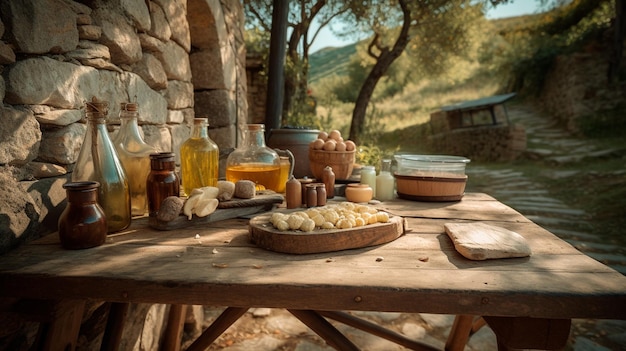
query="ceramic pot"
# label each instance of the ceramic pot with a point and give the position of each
(359, 192)
(297, 141)
(83, 223)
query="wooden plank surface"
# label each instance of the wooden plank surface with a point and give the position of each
(217, 264)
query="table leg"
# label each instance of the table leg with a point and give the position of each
(225, 320)
(377, 330)
(115, 326)
(530, 333)
(61, 333)
(324, 329)
(460, 332)
(174, 329)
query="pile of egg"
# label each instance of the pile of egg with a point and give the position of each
(332, 141)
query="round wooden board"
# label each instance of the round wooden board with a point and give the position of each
(266, 236)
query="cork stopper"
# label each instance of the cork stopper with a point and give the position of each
(96, 105)
(129, 106)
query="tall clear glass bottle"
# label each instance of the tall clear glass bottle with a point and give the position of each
(98, 161)
(199, 158)
(254, 161)
(134, 154)
(385, 182)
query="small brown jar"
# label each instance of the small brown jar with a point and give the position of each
(305, 181)
(320, 188)
(162, 180)
(83, 223)
(311, 195)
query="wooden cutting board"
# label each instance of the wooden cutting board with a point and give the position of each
(225, 210)
(481, 241)
(266, 236)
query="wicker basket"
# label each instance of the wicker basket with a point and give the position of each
(341, 162)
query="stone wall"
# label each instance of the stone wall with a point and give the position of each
(177, 58)
(486, 143)
(577, 86)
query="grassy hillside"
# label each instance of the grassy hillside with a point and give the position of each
(329, 61)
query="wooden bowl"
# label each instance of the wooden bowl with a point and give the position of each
(424, 188)
(341, 162)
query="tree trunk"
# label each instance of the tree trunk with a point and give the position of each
(383, 61)
(619, 26)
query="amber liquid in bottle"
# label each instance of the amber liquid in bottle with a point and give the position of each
(264, 174)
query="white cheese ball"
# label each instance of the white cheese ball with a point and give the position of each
(307, 225)
(295, 221)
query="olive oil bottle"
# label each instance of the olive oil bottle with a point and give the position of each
(199, 158)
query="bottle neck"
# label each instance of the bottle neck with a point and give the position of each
(129, 125)
(95, 117)
(254, 137)
(199, 130)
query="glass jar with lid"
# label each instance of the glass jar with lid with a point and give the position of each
(254, 161)
(134, 154)
(97, 161)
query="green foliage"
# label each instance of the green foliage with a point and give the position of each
(609, 123)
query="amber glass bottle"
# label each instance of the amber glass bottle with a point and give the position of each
(162, 180)
(98, 161)
(199, 158)
(83, 223)
(134, 154)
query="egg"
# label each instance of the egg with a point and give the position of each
(341, 146)
(335, 135)
(350, 145)
(317, 144)
(330, 145)
(322, 135)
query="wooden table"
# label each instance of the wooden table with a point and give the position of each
(528, 302)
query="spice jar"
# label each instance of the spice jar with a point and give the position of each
(254, 161)
(328, 177)
(311, 195)
(162, 180)
(320, 188)
(134, 154)
(304, 182)
(199, 158)
(98, 161)
(293, 193)
(358, 192)
(82, 223)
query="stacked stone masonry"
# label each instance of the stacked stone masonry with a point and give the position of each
(177, 58)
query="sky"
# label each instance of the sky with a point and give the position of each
(520, 7)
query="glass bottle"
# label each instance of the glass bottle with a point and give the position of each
(162, 180)
(134, 154)
(98, 161)
(368, 176)
(385, 182)
(82, 223)
(254, 161)
(199, 158)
